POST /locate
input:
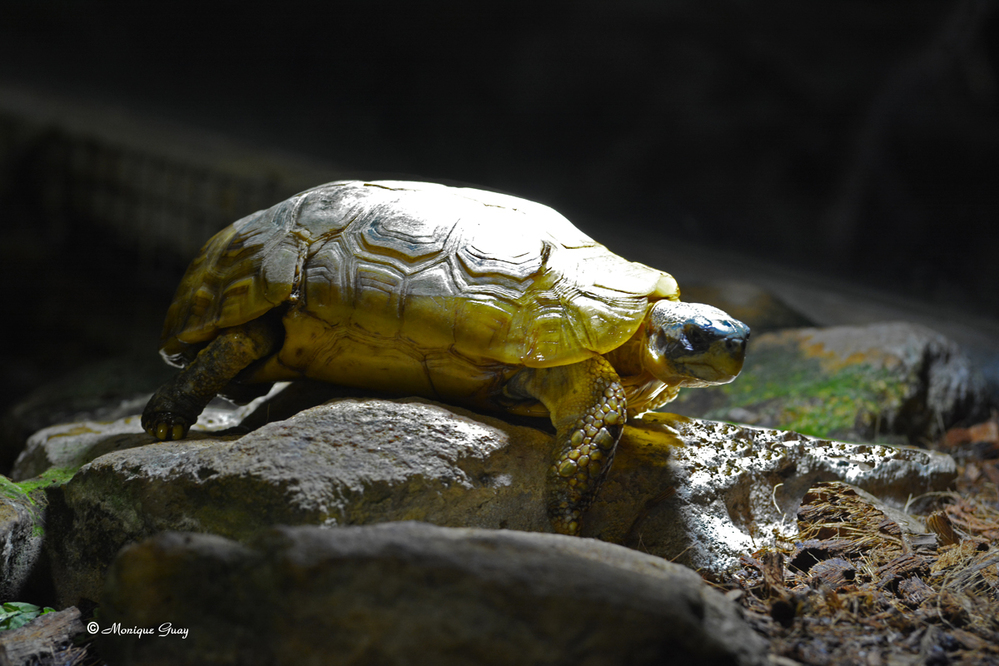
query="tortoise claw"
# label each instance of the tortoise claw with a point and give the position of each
(166, 426)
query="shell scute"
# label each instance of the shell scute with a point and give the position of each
(548, 341)
(409, 239)
(328, 282)
(490, 335)
(430, 308)
(378, 296)
(502, 248)
(491, 276)
(323, 213)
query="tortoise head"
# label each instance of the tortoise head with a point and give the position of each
(693, 344)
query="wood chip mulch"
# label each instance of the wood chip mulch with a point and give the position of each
(856, 588)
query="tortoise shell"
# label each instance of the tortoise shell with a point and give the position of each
(417, 287)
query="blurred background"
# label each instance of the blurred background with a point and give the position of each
(848, 143)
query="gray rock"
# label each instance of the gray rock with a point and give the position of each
(70, 445)
(703, 493)
(891, 382)
(348, 462)
(22, 530)
(408, 593)
(106, 390)
(353, 462)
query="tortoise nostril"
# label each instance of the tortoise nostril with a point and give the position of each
(736, 344)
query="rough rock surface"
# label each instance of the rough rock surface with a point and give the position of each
(702, 493)
(415, 593)
(70, 445)
(21, 536)
(882, 382)
(697, 492)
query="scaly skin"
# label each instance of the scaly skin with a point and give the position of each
(588, 408)
(175, 407)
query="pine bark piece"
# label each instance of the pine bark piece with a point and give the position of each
(835, 572)
(43, 641)
(940, 524)
(900, 568)
(914, 591)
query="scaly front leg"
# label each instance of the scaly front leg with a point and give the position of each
(175, 407)
(588, 409)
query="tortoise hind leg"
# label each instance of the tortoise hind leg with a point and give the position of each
(175, 407)
(588, 409)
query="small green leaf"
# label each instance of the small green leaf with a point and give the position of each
(19, 613)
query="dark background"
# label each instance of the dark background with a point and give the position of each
(855, 139)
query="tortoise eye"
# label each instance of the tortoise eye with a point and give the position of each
(695, 335)
(661, 341)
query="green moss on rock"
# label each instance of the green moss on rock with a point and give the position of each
(32, 490)
(849, 383)
(806, 397)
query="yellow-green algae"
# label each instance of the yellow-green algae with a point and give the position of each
(25, 490)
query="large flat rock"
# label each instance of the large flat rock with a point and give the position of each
(408, 593)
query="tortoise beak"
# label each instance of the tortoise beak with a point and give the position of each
(719, 357)
(728, 354)
(734, 336)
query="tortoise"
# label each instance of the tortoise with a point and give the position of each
(456, 294)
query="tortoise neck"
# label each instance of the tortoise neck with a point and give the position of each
(644, 390)
(645, 393)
